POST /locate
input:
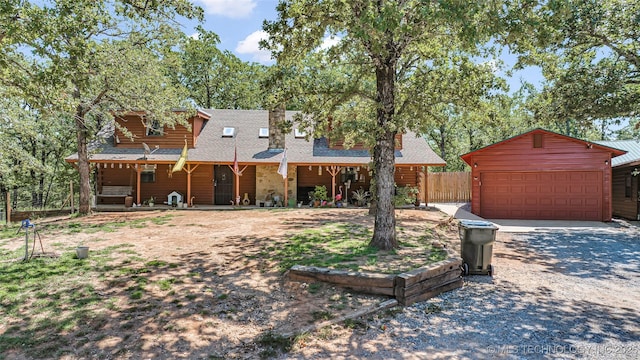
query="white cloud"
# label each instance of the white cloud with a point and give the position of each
(251, 45)
(230, 8)
(195, 36)
(329, 41)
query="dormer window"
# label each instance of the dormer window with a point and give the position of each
(229, 132)
(264, 133)
(154, 128)
(299, 134)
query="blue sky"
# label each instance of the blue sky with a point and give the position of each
(239, 25)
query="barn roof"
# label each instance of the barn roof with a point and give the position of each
(614, 152)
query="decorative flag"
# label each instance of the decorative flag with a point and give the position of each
(282, 169)
(181, 160)
(236, 168)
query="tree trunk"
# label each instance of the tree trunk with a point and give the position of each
(83, 162)
(384, 233)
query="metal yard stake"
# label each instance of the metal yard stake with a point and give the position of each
(26, 225)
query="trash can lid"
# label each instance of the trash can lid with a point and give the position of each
(478, 224)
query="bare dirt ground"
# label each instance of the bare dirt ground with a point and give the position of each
(204, 289)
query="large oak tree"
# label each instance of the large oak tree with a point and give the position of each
(396, 61)
(88, 60)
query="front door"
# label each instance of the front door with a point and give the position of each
(223, 185)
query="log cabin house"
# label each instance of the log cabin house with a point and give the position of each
(254, 139)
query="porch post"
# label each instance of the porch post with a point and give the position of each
(425, 187)
(138, 177)
(334, 170)
(236, 201)
(286, 192)
(189, 185)
(71, 195)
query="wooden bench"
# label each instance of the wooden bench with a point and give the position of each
(113, 191)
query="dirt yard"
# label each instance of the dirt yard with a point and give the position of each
(193, 284)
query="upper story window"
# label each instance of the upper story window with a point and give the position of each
(154, 128)
(264, 133)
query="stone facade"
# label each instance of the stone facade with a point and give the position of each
(276, 135)
(269, 181)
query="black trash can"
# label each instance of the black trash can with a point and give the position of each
(476, 248)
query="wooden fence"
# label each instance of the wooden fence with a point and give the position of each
(449, 187)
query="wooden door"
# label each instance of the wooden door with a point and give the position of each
(223, 182)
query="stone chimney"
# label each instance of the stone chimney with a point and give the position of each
(276, 123)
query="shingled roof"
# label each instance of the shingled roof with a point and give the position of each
(212, 147)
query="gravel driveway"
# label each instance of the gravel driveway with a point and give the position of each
(558, 293)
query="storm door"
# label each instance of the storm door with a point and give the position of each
(223, 182)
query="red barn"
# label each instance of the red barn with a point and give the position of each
(542, 175)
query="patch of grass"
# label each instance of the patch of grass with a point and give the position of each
(273, 344)
(161, 220)
(345, 246)
(432, 309)
(355, 324)
(436, 255)
(11, 231)
(55, 295)
(322, 315)
(156, 263)
(223, 296)
(165, 284)
(315, 287)
(109, 226)
(331, 245)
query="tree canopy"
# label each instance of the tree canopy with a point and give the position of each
(397, 64)
(87, 60)
(217, 79)
(590, 55)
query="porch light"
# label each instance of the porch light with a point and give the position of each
(475, 164)
(319, 170)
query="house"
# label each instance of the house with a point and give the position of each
(254, 138)
(624, 181)
(542, 175)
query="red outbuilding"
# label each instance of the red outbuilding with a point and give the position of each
(542, 175)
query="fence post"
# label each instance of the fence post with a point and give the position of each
(71, 196)
(8, 208)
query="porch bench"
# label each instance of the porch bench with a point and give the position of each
(113, 191)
